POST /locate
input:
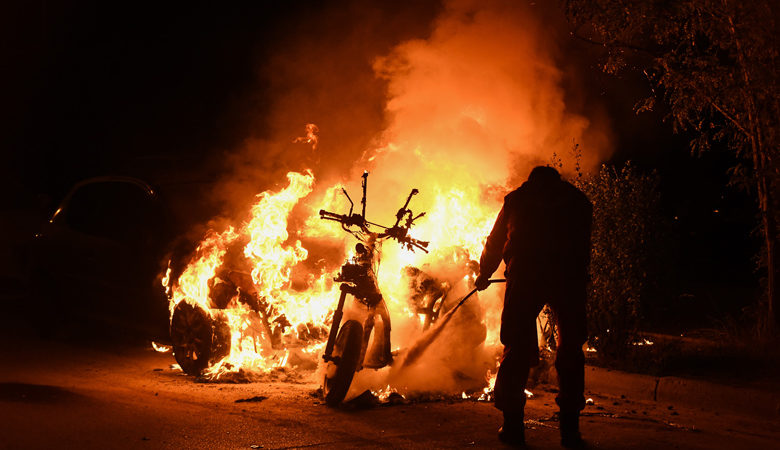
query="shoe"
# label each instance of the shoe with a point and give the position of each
(570, 430)
(514, 438)
(512, 432)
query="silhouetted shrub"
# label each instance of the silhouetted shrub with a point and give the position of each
(626, 239)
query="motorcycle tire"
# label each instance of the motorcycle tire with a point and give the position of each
(338, 374)
(198, 340)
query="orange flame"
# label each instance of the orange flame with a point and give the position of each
(290, 324)
(271, 259)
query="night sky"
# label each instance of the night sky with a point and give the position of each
(94, 88)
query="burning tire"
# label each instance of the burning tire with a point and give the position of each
(198, 340)
(339, 373)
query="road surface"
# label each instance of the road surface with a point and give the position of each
(57, 395)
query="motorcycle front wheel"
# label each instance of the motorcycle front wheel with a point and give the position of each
(346, 352)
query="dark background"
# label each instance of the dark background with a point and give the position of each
(164, 92)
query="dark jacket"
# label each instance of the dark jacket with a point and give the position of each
(543, 235)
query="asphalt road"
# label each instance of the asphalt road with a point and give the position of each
(57, 395)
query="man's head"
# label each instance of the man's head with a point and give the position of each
(544, 174)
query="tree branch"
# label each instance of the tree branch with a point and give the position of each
(619, 44)
(728, 116)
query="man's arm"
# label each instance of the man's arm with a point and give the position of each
(494, 248)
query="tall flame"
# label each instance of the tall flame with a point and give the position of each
(470, 110)
(271, 259)
(282, 326)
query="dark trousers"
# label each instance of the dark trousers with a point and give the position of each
(522, 304)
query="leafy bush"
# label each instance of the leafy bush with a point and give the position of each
(625, 241)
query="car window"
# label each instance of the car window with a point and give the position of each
(116, 210)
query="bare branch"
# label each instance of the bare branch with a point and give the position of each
(619, 44)
(728, 116)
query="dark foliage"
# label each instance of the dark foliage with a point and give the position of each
(625, 249)
(714, 62)
(628, 241)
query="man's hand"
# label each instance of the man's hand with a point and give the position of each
(482, 282)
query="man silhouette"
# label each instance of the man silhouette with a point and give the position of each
(543, 235)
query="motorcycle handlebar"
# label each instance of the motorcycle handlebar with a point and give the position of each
(354, 219)
(332, 216)
(394, 232)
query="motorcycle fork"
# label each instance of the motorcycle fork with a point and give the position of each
(334, 327)
(368, 326)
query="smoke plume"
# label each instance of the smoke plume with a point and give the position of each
(460, 107)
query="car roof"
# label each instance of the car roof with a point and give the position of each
(141, 184)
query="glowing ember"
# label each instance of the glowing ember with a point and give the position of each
(162, 348)
(385, 393)
(310, 138)
(487, 393)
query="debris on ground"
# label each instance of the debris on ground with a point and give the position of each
(365, 400)
(257, 398)
(396, 399)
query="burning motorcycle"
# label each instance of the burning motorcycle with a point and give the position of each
(365, 343)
